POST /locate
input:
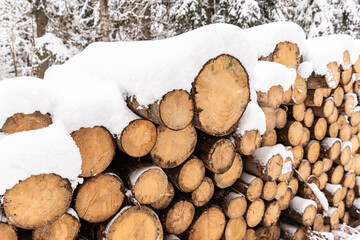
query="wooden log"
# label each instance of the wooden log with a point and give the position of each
(343, 195)
(312, 151)
(265, 163)
(271, 233)
(314, 98)
(338, 96)
(188, 176)
(354, 140)
(333, 117)
(350, 197)
(97, 149)
(303, 171)
(323, 180)
(299, 92)
(326, 92)
(271, 214)
(249, 185)
(250, 234)
(297, 111)
(349, 180)
(165, 199)
(333, 130)
(308, 117)
(20, 122)
(318, 129)
(328, 163)
(330, 80)
(174, 110)
(8, 232)
(272, 98)
(354, 210)
(346, 76)
(269, 138)
(351, 165)
(302, 210)
(294, 185)
(233, 204)
(333, 193)
(345, 133)
(125, 225)
(203, 194)
(330, 148)
(335, 174)
(172, 148)
(298, 153)
(270, 116)
(235, 228)
(281, 116)
(292, 232)
(217, 153)
(138, 138)
(348, 88)
(228, 178)
(285, 53)
(357, 164)
(287, 169)
(342, 120)
(178, 216)
(347, 219)
(285, 200)
(66, 227)
(349, 104)
(291, 134)
(287, 95)
(255, 212)
(99, 198)
(341, 208)
(218, 105)
(318, 223)
(24, 208)
(318, 168)
(281, 190)
(269, 190)
(248, 142)
(325, 110)
(355, 119)
(332, 217)
(305, 137)
(345, 154)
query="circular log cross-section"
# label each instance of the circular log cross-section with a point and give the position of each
(179, 217)
(249, 185)
(247, 143)
(281, 118)
(125, 225)
(221, 93)
(235, 229)
(273, 98)
(97, 149)
(269, 190)
(138, 138)
(203, 193)
(291, 134)
(24, 208)
(66, 227)
(287, 54)
(172, 148)
(165, 199)
(269, 138)
(300, 90)
(234, 204)
(255, 212)
(318, 129)
(228, 178)
(99, 198)
(272, 214)
(7, 232)
(20, 122)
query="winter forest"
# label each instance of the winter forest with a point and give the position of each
(35, 34)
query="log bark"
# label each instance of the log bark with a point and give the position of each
(97, 149)
(20, 122)
(174, 110)
(249, 185)
(218, 105)
(350, 197)
(303, 211)
(228, 178)
(292, 232)
(330, 148)
(203, 194)
(271, 233)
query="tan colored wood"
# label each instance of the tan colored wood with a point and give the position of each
(294, 185)
(332, 197)
(271, 233)
(250, 234)
(355, 119)
(298, 111)
(272, 98)
(298, 153)
(305, 218)
(267, 170)
(233, 204)
(312, 151)
(318, 168)
(333, 117)
(281, 118)
(332, 219)
(341, 121)
(99, 198)
(7, 232)
(269, 138)
(357, 164)
(308, 117)
(344, 157)
(178, 216)
(350, 197)
(338, 96)
(345, 132)
(355, 79)
(346, 76)
(249, 185)
(354, 140)
(349, 180)
(335, 174)
(287, 96)
(285, 200)
(269, 190)
(174, 110)
(97, 149)
(172, 148)
(221, 93)
(20, 122)
(323, 180)
(255, 212)
(247, 143)
(281, 190)
(332, 130)
(287, 54)
(305, 137)
(24, 208)
(288, 234)
(188, 176)
(228, 178)
(349, 88)
(235, 229)
(341, 208)
(331, 152)
(271, 214)
(203, 194)
(343, 195)
(165, 199)
(318, 129)
(347, 218)
(303, 171)
(138, 138)
(64, 228)
(351, 165)
(330, 80)
(354, 130)
(217, 153)
(314, 98)
(299, 92)
(357, 65)
(348, 105)
(325, 110)
(125, 225)
(318, 223)
(328, 163)
(286, 176)
(291, 134)
(270, 115)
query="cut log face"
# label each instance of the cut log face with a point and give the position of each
(325, 110)
(285, 200)
(269, 138)
(349, 180)
(287, 54)
(209, 225)
(250, 234)
(125, 225)
(333, 130)
(179, 217)
(7, 232)
(281, 118)
(318, 130)
(299, 90)
(338, 96)
(270, 172)
(336, 173)
(66, 227)
(20, 122)
(305, 137)
(24, 208)
(298, 153)
(221, 93)
(234, 204)
(270, 116)
(249, 185)
(294, 185)
(138, 138)
(332, 150)
(312, 151)
(203, 194)
(271, 233)
(99, 198)
(228, 178)
(248, 142)
(355, 119)
(172, 148)
(314, 98)
(97, 149)
(308, 117)
(333, 75)
(298, 111)
(269, 190)
(304, 170)
(287, 95)
(165, 199)
(272, 214)
(345, 133)
(333, 193)
(333, 117)
(255, 213)
(318, 223)
(323, 180)
(273, 98)
(291, 134)
(235, 228)
(350, 197)
(346, 76)
(318, 168)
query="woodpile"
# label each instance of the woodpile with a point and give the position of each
(183, 171)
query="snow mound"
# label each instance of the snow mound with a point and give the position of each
(253, 118)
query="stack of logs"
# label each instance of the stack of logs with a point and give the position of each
(180, 171)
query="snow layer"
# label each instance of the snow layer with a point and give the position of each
(305, 69)
(299, 204)
(268, 74)
(330, 211)
(73, 213)
(287, 167)
(323, 50)
(290, 229)
(138, 67)
(332, 188)
(267, 36)
(346, 144)
(356, 203)
(263, 154)
(328, 142)
(357, 180)
(252, 119)
(320, 195)
(47, 150)
(248, 178)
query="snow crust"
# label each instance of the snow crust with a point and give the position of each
(328, 142)
(253, 118)
(320, 195)
(287, 167)
(290, 229)
(267, 36)
(263, 154)
(73, 213)
(305, 69)
(299, 204)
(47, 150)
(332, 188)
(330, 211)
(246, 177)
(268, 74)
(346, 144)
(357, 180)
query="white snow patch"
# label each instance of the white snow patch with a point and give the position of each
(357, 180)
(47, 150)
(73, 213)
(320, 195)
(287, 167)
(346, 144)
(330, 211)
(356, 203)
(253, 118)
(263, 154)
(305, 69)
(290, 229)
(246, 177)
(299, 204)
(2, 216)
(329, 142)
(332, 188)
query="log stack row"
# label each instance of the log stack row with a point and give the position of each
(182, 171)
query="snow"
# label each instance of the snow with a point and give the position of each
(267, 36)
(332, 188)
(346, 144)
(356, 203)
(134, 175)
(2, 216)
(47, 150)
(290, 229)
(305, 69)
(357, 180)
(287, 167)
(248, 178)
(73, 213)
(134, 66)
(354, 97)
(171, 237)
(263, 154)
(330, 211)
(317, 51)
(328, 142)
(268, 74)
(320, 196)
(299, 204)
(253, 118)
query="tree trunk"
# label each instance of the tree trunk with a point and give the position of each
(20, 122)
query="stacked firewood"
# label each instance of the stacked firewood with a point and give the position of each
(182, 171)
